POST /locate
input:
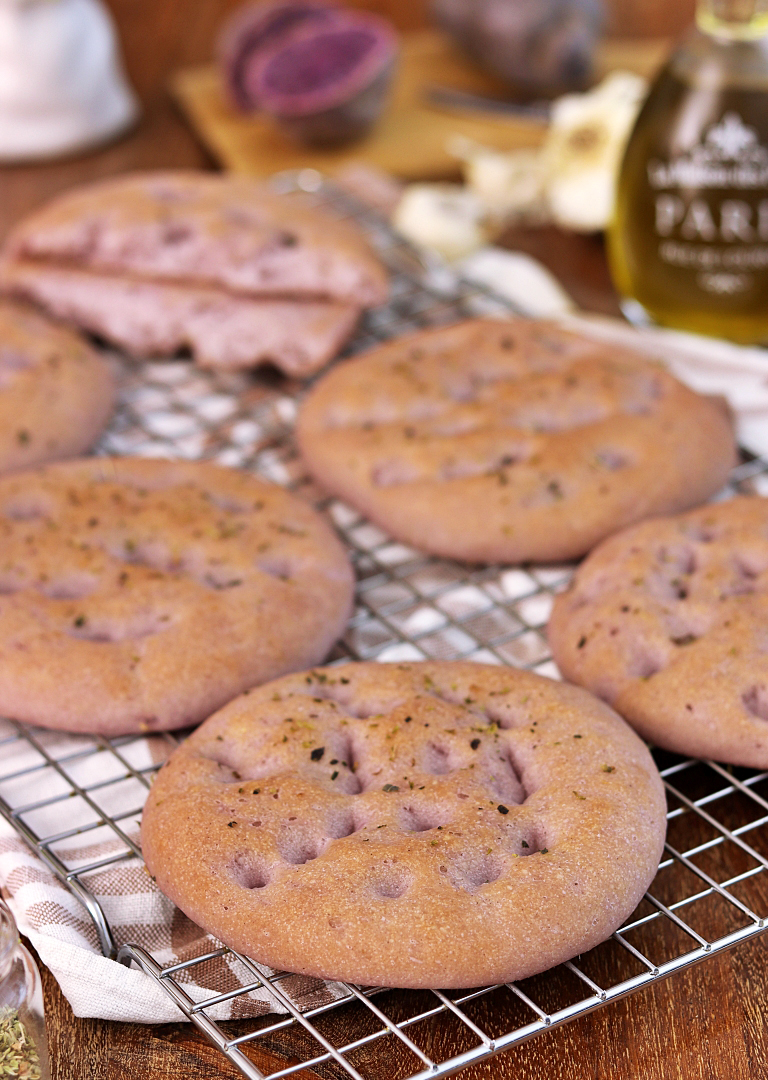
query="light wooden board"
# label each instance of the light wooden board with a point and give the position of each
(410, 140)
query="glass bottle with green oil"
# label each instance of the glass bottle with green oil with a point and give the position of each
(688, 246)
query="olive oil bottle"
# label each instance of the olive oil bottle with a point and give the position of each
(688, 246)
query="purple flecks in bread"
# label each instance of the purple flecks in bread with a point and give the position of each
(668, 622)
(156, 262)
(221, 329)
(206, 229)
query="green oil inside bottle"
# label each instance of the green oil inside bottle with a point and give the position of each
(688, 246)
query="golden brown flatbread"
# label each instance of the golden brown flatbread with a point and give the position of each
(511, 440)
(668, 622)
(140, 595)
(417, 825)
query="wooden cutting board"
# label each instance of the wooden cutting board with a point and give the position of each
(410, 140)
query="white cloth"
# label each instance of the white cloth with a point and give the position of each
(62, 86)
(59, 926)
(520, 279)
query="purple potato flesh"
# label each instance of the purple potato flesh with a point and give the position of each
(327, 85)
(317, 65)
(257, 27)
(343, 123)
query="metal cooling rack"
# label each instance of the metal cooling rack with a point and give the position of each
(708, 895)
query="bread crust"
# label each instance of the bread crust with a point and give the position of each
(56, 392)
(436, 824)
(140, 595)
(668, 622)
(511, 440)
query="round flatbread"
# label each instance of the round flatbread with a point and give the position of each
(56, 393)
(513, 440)
(668, 621)
(414, 825)
(140, 595)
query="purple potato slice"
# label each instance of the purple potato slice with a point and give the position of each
(327, 85)
(256, 27)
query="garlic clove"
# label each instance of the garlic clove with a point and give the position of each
(584, 147)
(510, 186)
(446, 218)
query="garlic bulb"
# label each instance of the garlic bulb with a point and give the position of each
(571, 179)
(584, 148)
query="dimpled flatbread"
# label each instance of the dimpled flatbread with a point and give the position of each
(511, 440)
(668, 622)
(207, 229)
(140, 595)
(436, 824)
(56, 392)
(217, 264)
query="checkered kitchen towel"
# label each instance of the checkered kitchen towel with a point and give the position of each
(63, 784)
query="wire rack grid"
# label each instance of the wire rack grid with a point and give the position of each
(710, 891)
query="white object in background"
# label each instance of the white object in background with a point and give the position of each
(518, 278)
(62, 85)
(571, 179)
(445, 218)
(511, 185)
(584, 147)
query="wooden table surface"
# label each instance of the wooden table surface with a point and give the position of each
(707, 1023)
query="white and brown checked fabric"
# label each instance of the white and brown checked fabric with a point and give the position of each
(67, 784)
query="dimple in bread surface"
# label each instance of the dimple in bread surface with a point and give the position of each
(56, 393)
(511, 440)
(668, 622)
(140, 595)
(205, 228)
(415, 825)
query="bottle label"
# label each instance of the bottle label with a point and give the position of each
(708, 213)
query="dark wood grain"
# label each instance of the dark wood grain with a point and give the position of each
(707, 1023)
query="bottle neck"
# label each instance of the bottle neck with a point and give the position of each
(734, 20)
